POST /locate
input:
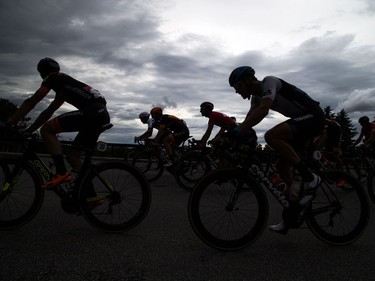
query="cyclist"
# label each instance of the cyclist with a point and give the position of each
(225, 122)
(367, 132)
(330, 141)
(172, 132)
(306, 121)
(91, 115)
(151, 124)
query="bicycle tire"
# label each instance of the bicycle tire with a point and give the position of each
(129, 156)
(149, 164)
(191, 167)
(355, 168)
(125, 206)
(20, 203)
(338, 215)
(371, 186)
(223, 228)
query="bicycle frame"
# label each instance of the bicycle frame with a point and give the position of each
(36, 162)
(42, 170)
(260, 174)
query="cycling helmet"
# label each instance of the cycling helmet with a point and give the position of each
(363, 119)
(156, 111)
(47, 65)
(239, 73)
(144, 115)
(207, 106)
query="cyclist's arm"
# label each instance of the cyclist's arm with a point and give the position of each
(207, 134)
(28, 105)
(160, 134)
(359, 139)
(257, 114)
(45, 115)
(146, 134)
(371, 138)
(220, 133)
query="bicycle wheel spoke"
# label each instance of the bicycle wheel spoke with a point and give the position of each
(339, 215)
(225, 217)
(21, 199)
(121, 207)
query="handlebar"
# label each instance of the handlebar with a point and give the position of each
(8, 131)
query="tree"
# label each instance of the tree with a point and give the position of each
(7, 109)
(348, 129)
(328, 112)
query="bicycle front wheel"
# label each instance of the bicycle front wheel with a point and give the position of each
(149, 164)
(371, 186)
(339, 214)
(115, 196)
(20, 193)
(228, 210)
(191, 167)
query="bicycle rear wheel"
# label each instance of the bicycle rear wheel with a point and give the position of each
(149, 164)
(371, 186)
(228, 210)
(20, 196)
(191, 167)
(115, 196)
(338, 215)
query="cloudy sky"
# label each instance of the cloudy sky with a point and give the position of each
(177, 53)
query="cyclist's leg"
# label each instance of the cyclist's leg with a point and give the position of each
(169, 144)
(88, 123)
(179, 138)
(279, 138)
(49, 133)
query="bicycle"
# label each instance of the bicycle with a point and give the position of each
(357, 163)
(140, 145)
(150, 161)
(228, 208)
(197, 162)
(153, 159)
(362, 167)
(112, 195)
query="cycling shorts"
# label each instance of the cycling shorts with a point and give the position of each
(306, 127)
(87, 122)
(180, 136)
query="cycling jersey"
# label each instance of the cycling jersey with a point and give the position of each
(152, 123)
(221, 120)
(367, 129)
(91, 115)
(307, 118)
(176, 126)
(70, 90)
(287, 99)
(172, 123)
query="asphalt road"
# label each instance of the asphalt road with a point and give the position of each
(58, 246)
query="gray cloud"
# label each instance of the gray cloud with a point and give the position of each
(116, 47)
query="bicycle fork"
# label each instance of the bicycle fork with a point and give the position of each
(11, 178)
